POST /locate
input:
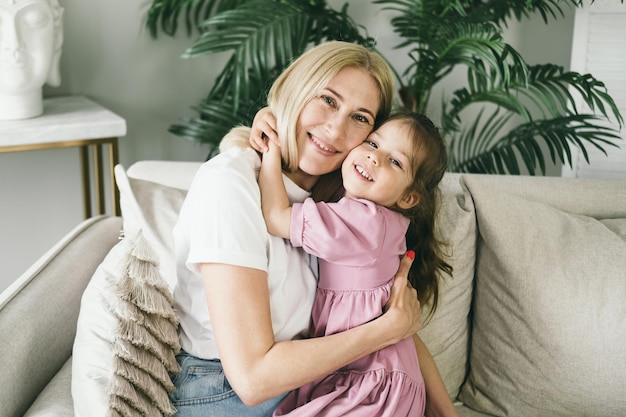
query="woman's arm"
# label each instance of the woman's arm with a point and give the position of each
(257, 367)
(438, 403)
(274, 199)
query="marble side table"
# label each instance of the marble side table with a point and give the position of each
(72, 121)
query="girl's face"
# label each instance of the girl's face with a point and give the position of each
(333, 122)
(381, 168)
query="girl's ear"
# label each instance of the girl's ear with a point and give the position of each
(409, 200)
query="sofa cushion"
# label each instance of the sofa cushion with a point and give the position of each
(126, 337)
(152, 208)
(447, 333)
(549, 327)
(146, 335)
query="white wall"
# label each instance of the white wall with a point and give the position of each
(109, 57)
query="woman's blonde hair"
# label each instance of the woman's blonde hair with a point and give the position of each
(307, 75)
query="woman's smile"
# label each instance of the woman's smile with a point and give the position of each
(322, 146)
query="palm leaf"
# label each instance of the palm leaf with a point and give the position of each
(550, 88)
(166, 15)
(547, 96)
(213, 122)
(500, 154)
(442, 39)
(499, 11)
(486, 88)
(486, 58)
(286, 30)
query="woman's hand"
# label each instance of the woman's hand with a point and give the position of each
(263, 129)
(403, 306)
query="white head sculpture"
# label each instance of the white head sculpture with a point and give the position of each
(31, 37)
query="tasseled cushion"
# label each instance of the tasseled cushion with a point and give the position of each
(146, 339)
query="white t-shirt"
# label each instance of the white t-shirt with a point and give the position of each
(221, 222)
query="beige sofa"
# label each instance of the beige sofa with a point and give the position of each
(533, 323)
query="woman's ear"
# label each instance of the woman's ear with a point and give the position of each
(409, 200)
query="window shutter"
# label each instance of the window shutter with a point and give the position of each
(599, 48)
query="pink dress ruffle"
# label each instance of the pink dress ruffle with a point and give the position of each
(375, 393)
(385, 383)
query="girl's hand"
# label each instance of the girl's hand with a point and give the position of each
(403, 304)
(272, 161)
(263, 128)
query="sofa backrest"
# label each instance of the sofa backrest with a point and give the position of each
(495, 336)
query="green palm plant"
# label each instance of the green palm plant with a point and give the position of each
(262, 37)
(523, 111)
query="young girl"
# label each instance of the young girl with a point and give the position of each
(391, 194)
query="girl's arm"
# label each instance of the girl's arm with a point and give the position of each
(259, 368)
(438, 403)
(274, 199)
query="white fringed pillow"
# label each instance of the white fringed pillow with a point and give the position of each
(146, 337)
(127, 337)
(152, 208)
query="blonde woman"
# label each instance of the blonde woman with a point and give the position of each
(244, 296)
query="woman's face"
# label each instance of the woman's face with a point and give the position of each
(335, 120)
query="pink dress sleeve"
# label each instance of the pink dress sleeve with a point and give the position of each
(348, 232)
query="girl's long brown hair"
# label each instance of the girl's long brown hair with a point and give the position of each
(429, 148)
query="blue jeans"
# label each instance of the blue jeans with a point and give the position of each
(202, 390)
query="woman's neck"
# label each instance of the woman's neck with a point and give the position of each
(302, 180)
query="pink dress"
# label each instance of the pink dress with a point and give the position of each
(359, 245)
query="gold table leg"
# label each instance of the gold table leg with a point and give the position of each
(114, 160)
(98, 179)
(83, 146)
(84, 168)
(98, 176)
